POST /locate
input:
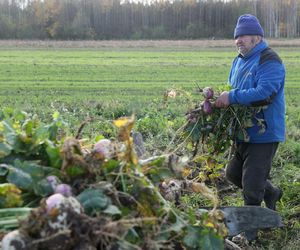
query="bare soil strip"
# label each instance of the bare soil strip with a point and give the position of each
(197, 44)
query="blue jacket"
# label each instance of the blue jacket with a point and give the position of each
(258, 80)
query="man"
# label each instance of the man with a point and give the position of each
(257, 78)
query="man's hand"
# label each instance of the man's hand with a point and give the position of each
(223, 100)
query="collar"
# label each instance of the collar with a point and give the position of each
(257, 49)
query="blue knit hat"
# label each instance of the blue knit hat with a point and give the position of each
(248, 25)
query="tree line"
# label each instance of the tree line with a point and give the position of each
(125, 19)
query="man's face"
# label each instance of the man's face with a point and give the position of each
(246, 43)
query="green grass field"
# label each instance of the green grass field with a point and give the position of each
(78, 82)
(66, 75)
(106, 83)
(87, 75)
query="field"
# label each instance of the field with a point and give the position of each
(78, 77)
(102, 81)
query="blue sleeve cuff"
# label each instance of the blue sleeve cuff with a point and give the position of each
(232, 100)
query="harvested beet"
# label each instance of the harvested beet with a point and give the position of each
(208, 92)
(104, 149)
(53, 201)
(53, 181)
(207, 107)
(63, 189)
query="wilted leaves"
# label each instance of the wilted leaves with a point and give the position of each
(125, 125)
(10, 196)
(132, 193)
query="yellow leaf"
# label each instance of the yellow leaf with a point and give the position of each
(10, 196)
(202, 176)
(134, 158)
(125, 125)
(17, 125)
(123, 121)
(209, 224)
(186, 172)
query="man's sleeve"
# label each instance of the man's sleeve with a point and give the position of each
(270, 78)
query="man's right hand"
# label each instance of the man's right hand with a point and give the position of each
(223, 100)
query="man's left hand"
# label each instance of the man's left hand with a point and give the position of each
(223, 100)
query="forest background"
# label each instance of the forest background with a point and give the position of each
(127, 19)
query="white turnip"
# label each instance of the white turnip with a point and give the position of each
(104, 149)
(14, 240)
(60, 217)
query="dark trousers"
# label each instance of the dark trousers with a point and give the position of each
(250, 168)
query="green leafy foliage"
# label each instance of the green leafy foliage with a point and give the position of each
(29, 151)
(216, 128)
(94, 201)
(117, 189)
(24, 136)
(201, 238)
(29, 176)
